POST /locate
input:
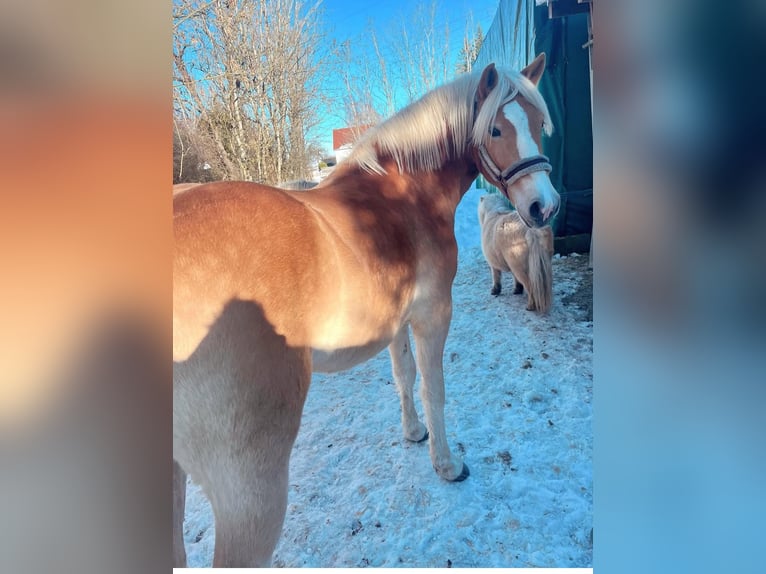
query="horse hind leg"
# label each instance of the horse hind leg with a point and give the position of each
(179, 507)
(237, 407)
(246, 476)
(404, 371)
(248, 494)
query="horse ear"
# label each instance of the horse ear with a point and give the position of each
(534, 71)
(487, 82)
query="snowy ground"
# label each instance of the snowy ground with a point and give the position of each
(519, 389)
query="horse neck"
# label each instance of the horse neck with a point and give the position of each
(447, 185)
(443, 188)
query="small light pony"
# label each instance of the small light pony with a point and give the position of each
(509, 245)
(271, 284)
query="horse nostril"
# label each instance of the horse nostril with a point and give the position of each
(536, 213)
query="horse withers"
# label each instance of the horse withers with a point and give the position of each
(271, 284)
(509, 245)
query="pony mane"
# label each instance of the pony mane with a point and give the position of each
(438, 127)
(496, 202)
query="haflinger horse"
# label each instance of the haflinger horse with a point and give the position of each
(509, 245)
(272, 284)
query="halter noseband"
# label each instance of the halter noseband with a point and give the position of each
(516, 171)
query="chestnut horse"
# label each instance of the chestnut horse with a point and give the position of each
(509, 245)
(271, 284)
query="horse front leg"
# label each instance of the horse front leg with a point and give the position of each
(404, 372)
(179, 506)
(430, 335)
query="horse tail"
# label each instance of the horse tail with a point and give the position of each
(540, 270)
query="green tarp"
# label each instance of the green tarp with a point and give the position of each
(566, 89)
(520, 31)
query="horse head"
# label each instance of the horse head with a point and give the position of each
(509, 120)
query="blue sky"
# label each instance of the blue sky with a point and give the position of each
(350, 17)
(349, 20)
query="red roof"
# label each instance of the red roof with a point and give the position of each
(345, 136)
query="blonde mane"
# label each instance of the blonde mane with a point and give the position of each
(438, 126)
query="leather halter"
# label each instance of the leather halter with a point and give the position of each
(515, 171)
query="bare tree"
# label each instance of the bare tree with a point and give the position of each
(411, 58)
(179, 153)
(421, 51)
(358, 76)
(385, 81)
(469, 51)
(246, 71)
(191, 153)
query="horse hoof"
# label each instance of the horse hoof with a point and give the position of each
(465, 473)
(424, 438)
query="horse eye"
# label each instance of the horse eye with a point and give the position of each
(495, 132)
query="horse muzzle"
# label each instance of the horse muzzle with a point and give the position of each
(535, 199)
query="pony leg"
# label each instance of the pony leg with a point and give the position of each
(497, 285)
(179, 506)
(518, 288)
(403, 368)
(430, 336)
(539, 279)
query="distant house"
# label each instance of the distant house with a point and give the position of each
(343, 140)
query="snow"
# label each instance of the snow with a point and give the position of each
(518, 410)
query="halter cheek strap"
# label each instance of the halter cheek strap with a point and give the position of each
(516, 171)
